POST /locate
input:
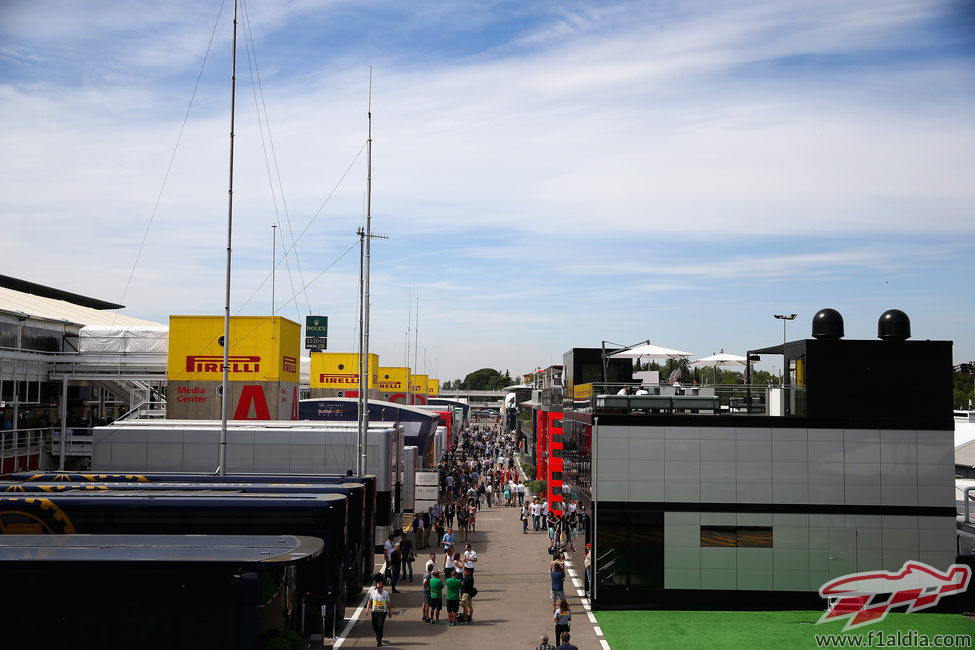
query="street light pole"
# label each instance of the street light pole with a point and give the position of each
(784, 318)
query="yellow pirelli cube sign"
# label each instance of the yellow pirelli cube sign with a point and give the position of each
(433, 387)
(261, 348)
(393, 378)
(418, 384)
(340, 370)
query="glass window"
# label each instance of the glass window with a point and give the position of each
(755, 536)
(736, 536)
(8, 335)
(40, 339)
(576, 455)
(630, 548)
(718, 536)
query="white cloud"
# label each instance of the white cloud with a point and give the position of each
(640, 144)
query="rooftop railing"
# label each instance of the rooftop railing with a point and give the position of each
(725, 399)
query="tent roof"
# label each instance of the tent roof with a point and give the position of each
(35, 289)
(44, 307)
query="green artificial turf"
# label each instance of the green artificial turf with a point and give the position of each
(640, 630)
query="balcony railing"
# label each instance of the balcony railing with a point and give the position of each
(726, 399)
(21, 449)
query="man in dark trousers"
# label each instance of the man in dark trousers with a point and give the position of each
(406, 551)
(378, 603)
(565, 643)
(395, 563)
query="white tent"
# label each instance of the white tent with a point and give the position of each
(126, 339)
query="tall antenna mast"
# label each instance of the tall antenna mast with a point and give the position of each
(366, 239)
(274, 257)
(225, 392)
(416, 337)
(406, 349)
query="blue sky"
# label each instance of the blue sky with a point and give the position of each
(550, 174)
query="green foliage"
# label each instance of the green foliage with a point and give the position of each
(486, 379)
(294, 639)
(963, 395)
(538, 488)
(528, 469)
(277, 643)
(483, 379)
(764, 378)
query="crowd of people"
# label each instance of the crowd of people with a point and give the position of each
(478, 471)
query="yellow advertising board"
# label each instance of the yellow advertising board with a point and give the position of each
(393, 379)
(262, 348)
(433, 387)
(340, 370)
(418, 384)
(582, 392)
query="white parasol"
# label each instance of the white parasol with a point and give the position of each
(720, 359)
(651, 352)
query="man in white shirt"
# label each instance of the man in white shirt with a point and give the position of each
(470, 558)
(378, 604)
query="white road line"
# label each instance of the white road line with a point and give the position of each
(592, 619)
(352, 621)
(575, 583)
(572, 574)
(355, 615)
(603, 643)
(599, 631)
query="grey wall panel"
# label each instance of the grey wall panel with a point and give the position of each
(240, 454)
(717, 450)
(165, 454)
(200, 457)
(126, 454)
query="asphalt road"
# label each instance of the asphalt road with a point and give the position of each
(512, 608)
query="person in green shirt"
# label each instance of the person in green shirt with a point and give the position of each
(436, 599)
(453, 598)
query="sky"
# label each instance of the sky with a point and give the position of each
(548, 175)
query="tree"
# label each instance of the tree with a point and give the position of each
(963, 394)
(484, 379)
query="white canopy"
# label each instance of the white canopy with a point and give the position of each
(721, 359)
(123, 338)
(651, 352)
